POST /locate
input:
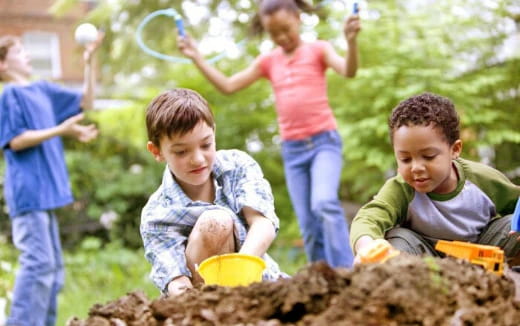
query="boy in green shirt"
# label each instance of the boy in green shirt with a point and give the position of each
(436, 195)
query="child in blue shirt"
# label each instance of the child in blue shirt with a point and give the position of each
(209, 203)
(33, 117)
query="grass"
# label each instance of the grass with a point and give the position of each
(98, 274)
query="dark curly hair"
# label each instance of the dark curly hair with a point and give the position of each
(268, 7)
(426, 109)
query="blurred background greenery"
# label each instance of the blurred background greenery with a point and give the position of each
(468, 51)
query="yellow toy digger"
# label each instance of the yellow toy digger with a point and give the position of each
(490, 257)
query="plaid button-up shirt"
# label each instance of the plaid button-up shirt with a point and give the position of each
(169, 216)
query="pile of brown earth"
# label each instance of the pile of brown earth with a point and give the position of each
(406, 290)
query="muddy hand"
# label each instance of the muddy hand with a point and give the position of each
(179, 285)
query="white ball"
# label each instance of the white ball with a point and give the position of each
(85, 33)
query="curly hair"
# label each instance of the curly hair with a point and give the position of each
(426, 109)
(268, 7)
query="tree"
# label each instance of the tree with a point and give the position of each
(407, 47)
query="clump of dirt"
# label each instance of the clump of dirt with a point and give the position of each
(406, 290)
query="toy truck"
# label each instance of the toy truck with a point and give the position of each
(378, 251)
(490, 257)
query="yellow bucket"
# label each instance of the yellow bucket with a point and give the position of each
(232, 269)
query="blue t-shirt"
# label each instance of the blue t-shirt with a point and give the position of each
(36, 178)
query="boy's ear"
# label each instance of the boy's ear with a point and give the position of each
(155, 151)
(456, 149)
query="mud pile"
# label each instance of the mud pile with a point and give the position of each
(406, 290)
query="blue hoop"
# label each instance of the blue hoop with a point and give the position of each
(175, 15)
(178, 22)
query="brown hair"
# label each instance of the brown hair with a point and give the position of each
(176, 112)
(268, 7)
(426, 109)
(6, 42)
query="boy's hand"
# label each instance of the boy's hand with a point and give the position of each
(179, 285)
(362, 242)
(72, 128)
(187, 46)
(90, 48)
(376, 251)
(517, 234)
(352, 27)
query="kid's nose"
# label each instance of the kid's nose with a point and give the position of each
(197, 158)
(417, 166)
(281, 38)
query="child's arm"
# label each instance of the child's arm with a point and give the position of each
(388, 208)
(69, 127)
(223, 83)
(260, 235)
(346, 66)
(255, 203)
(89, 78)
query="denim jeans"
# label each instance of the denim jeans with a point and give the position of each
(312, 173)
(41, 272)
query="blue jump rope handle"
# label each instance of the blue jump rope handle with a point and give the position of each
(180, 26)
(355, 8)
(515, 221)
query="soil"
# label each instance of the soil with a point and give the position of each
(406, 290)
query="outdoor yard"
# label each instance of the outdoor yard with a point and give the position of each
(407, 290)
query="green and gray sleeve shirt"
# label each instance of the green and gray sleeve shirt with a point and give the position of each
(482, 193)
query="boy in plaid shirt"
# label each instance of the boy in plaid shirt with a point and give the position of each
(209, 203)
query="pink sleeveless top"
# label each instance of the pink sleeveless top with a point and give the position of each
(300, 90)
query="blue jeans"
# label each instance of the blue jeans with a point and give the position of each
(312, 172)
(41, 272)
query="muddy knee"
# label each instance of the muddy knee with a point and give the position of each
(213, 228)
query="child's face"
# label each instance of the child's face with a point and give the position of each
(283, 27)
(17, 61)
(190, 157)
(424, 158)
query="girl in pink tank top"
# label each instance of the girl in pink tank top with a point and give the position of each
(311, 147)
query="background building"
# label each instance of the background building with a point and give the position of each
(48, 39)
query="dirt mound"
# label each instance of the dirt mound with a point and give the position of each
(407, 290)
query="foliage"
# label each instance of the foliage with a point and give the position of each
(95, 273)
(404, 50)
(98, 273)
(7, 267)
(112, 178)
